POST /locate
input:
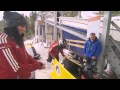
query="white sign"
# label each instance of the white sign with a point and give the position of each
(94, 26)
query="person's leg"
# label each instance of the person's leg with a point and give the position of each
(88, 63)
(94, 65)
(88, 60)
(49, 62)
(49, 58)
(57, 57)
(93, 62)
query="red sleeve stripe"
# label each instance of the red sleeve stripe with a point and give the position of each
(9, 55)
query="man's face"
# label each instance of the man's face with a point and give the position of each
(21, 29)
(92, 37)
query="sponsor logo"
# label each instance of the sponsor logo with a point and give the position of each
(58, 70)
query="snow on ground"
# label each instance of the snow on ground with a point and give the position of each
(43, 73)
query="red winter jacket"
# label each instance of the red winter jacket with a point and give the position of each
(14, 60)
(53, 50)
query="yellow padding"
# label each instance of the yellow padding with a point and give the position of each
(60, 72)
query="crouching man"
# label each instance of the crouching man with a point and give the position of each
(92, 49)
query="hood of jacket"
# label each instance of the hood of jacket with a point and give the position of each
(13, 33)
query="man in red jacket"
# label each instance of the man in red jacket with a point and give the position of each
(14, 60)
(55, 48)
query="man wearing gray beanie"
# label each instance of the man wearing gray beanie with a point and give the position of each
(15, 62)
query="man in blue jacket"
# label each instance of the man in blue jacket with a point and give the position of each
(92, 49)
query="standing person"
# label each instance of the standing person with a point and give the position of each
(55, 48)
(15, 63)
(92, 49)
(58, 19)
(58, 15)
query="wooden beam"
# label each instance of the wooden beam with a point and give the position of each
(78, 41)
(76, 45)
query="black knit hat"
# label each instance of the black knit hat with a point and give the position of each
(14, 19)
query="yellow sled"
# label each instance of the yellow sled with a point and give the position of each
(59, 72)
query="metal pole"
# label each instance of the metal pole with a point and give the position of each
(61, 34)
(103, 39)
(62, 13)
(35, 28)
(79, 14)
(46, 26)
(44, 38)
(42, 32)
(39, 36)
(55, 26)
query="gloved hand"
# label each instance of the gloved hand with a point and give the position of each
(84, 60)
(43, 66)
(38, 65)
